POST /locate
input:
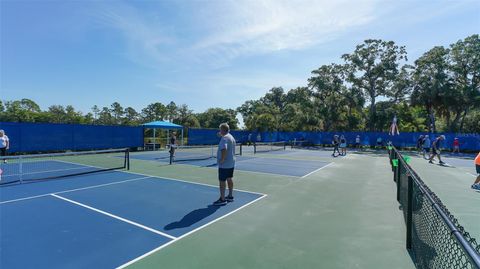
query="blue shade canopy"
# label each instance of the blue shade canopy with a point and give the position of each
(162, 125)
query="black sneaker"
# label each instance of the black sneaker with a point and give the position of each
(430, 162)
(229, 199)
(220, 202)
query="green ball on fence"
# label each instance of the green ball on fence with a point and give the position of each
(389, 147)
(395, 162)
(406, 158)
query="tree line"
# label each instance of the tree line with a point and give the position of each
(26, 110)
(440, 91)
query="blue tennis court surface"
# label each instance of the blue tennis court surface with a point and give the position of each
(102, 220)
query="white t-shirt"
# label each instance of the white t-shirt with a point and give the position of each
(3, 141)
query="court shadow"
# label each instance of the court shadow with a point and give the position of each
(192, 217)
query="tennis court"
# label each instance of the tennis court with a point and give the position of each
(338, 213)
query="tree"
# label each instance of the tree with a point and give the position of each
(95, 111)
(105, 117)
(299, 112)
(73, 116)
(186, 118)
(56, 114)
(329, 95)
(24, 110)
(117, 112)
(154, 112)
(373, 67)
(213, 117)
(465, 67)
(171, 111)
(430, 80)
(131, 116)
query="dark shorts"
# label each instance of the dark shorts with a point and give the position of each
(478, 168)
(3, 151)
(426, 149)
(224, 173)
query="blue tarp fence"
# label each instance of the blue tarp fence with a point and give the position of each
(44, 137)
(470, 142)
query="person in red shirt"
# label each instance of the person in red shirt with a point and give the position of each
(476, 184)
(456, 145)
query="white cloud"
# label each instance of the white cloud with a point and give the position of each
(253, 27)
(144, 34)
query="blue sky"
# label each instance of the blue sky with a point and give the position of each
(200, 53)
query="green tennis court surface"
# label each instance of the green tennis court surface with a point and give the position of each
(342, 216)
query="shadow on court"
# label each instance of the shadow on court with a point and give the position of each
(192, 218)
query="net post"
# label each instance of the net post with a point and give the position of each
(409, 212)
(127, 158)
(20, 168)
(170, 155)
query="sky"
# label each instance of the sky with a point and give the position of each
(214, 53)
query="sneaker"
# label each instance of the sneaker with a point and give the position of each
(476, 186)
(229, 199)
(220, 202)
(442, 162)
(430, 161)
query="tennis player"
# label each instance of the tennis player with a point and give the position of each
(335, 143)
(476, 184)
(226, 164)
(173, 144)
(436, 149)
(4, 144)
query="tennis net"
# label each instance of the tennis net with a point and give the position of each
(435, 238)
(27, 168)
(197, 153)
(268, 146)
(300, 144)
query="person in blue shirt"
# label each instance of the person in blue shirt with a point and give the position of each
(436, 149)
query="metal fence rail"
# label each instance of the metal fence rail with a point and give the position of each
(434, 238)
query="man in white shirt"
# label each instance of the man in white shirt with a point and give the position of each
(4, 144)
(226, 164)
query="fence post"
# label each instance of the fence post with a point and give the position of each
(399, 179)
(409, 212)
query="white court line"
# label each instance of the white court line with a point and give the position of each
(471, 174)
(72, 190)
(115, 217)
(192, 231)
(317, 170)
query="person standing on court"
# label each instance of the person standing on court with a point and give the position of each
(343, 145)
(436, 149)
(335, 143)
(4, 144)
(226, 164)
(426, 146)
(476, 184)
(173, 144)
(456, 145)
(357, 142)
